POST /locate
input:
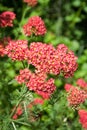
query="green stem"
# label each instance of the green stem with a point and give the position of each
(14, 126)
(25, 110)
(28, 66)
(22, 123)
(18, 103)
(23, 64)
(25, 9)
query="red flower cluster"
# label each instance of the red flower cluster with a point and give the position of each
(50, 60)
(18, 112)
(3, 43)
(80, 82)
(41, 87)
(43, 58)
(24, 76)
(83, 117)
(68, 60)
(31, 2)
(37, 82)
(17, 50)
(6, 19)
(34, 26)
(46, 59)
(76, 96)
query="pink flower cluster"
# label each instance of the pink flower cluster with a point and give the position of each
(68, 60)
(24, 76)
(17, 50)
(34, 26)
(48, 59)
(31, 2)
(41, 87)
(37, 82)
(76, 95)
(83, 117)
(44, 57)
(6, 18)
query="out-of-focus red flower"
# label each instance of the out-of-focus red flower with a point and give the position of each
(15, 116)
(83, 117)
(18, 112)
(81, 82)
(31, 2)
(34, 26)
(68, 87)
(1, 49)
(6, 18)
(36, 101)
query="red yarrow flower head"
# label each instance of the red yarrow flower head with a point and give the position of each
(17, 50)
(48, 59)
(44, 58)
(42, 87)
(37, 82)
(68, 60)
(31, 2)
(81, 82)
(76, 96)
(34, 26)
(6, 18)
(83, 117)
(24, 76)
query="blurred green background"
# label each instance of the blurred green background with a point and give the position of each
(66, 22)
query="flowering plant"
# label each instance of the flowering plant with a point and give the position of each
(41, 64)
